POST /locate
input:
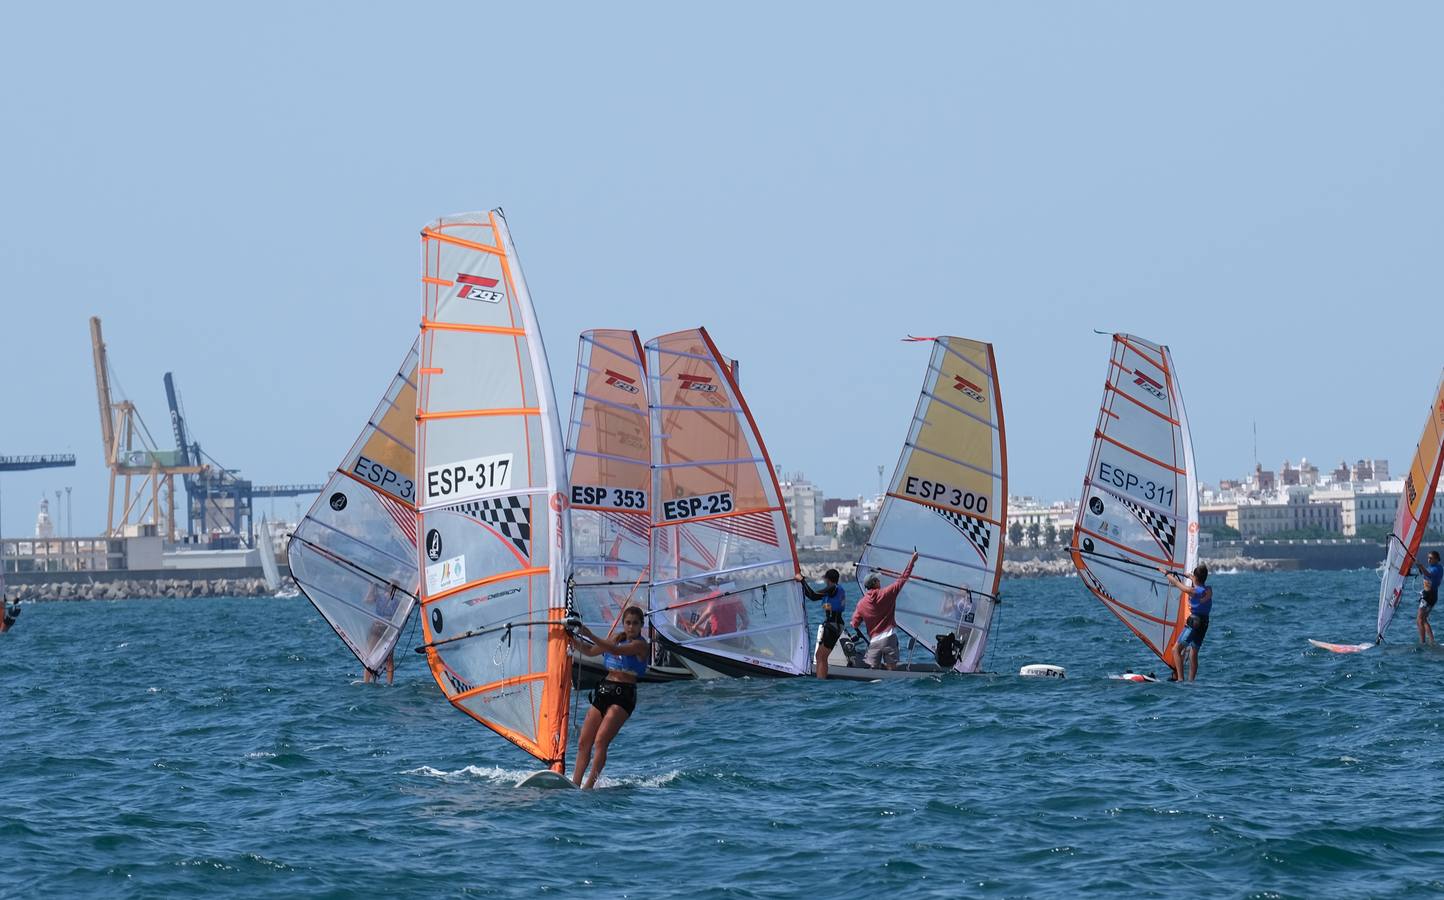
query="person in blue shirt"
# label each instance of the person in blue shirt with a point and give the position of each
(625, 658)
(1433, 575)
(833, 600)
(1200, 607)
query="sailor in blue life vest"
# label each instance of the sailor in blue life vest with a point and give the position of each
(625, 657)
(1200, 606)
(833, 601)
(1433, 574)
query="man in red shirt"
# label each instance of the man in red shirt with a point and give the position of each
(877, 609)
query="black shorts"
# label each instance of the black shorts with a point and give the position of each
(614, 693)
(1427, 600)
(828, 633)
(1194, 633)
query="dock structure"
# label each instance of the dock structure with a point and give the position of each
(38, 461)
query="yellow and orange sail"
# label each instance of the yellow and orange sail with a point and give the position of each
(1411, 518)
(354, 553)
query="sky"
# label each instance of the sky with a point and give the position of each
(237, 189)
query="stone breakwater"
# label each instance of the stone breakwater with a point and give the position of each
(1062, 565)
(183, 588)
(170, 588)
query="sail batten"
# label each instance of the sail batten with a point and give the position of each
(947, 500)
(1411, 515)
(1140, 497)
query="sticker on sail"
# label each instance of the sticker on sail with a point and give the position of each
(967, 387)
(468, 477)
(701, 383)
(383, 477)
(701, 505)
(937, 492)
(610, 498)
(621, 382)
(1150, 385)
(478, 287)
(447, 574)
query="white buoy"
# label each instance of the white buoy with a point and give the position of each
(1042, 670)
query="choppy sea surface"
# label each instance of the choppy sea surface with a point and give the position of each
(160, 748)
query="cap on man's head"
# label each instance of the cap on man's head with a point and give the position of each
(873, 583)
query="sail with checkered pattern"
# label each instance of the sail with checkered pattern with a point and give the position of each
(723, 563)
(1139, 509)
(1411, 517)
(609, 460)
(494, 539)
(354, 553)
(948, 501)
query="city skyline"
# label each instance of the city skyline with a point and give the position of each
(1003, 174)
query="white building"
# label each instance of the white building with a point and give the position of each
(1029, 511)
(803, 501)
(1374, 506)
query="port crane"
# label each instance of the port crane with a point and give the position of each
(218, 499)
(142, 476)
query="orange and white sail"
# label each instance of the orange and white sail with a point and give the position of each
(948, 500)
(1139, 509)
(1411, 518)
(354, 553)
(723, 571)
(609, 460)
(495, 540)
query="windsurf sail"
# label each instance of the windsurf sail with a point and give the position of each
(609, 459)
(495, 541)
(724, 564)
(354, 553)
(1139, 509)
(948, 500)
(266, 544)
(1411, 518)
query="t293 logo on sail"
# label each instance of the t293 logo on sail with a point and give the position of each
(479, 287)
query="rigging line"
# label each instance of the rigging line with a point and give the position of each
(350, 565)
(627, 602)
(722, 596)
(1121, 559)
(411, 632)
(995, 631)
(478, 632)
(955, 587)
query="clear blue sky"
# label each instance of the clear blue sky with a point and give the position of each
(237, 189)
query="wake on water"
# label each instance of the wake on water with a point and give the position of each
(509, 777)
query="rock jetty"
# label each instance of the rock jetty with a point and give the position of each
(124, 589)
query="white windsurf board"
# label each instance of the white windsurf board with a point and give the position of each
(1340, 648)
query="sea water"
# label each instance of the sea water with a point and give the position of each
(160, 748)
